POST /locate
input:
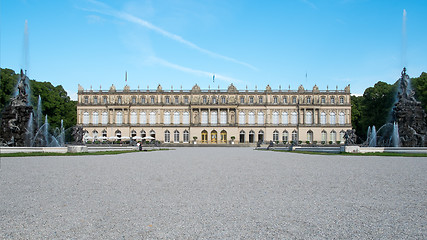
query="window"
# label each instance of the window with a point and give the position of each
(104, 133)
(176, 118)
(204, 117)
(294, 118)
(251, 118)
(133, 118)
(275, 136)
(119, 100)
(223, 100)
(214, 136)
(332, 118)
(342, 136)
(294, 136)
(152, 100)
(167, 118)
(341, 100)
(104, 117)
(285, 136)
(242, 100)
(104, 100)
(133, 134)
(205, 100)
(251, 136)
(294, 100)
(85, 118)
(324, 137)
(143, 100)
(260, 118)
(308, 117)
(323, 100)
(133, 100)
(323, 118)
(341, 118)
(223, 136)
(332, 100)
(308, 100)
(152, 117)
(285, 118)
(86, 99)
(261, 136)
(176, 136)
(275, 99)
(95, 117)
(143, 134)
(241, 118)
(95, 100)
(310, 136)
(167, 100)
(153, 134)
(223, 117)
(176, 100)
(260, 100)
(118, 135)
(119, 118)
(186, 118)
(142, 118)
(186, 100)
(251, 99)
(186, 136)
(204, 136)
(214, 117)
(214, 100)
(333, 136)
(285, 100)
(167, 136)
(242, 137)
(275, 119)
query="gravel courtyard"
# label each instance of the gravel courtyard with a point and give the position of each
(215, 193)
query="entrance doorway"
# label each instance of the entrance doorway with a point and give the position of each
(223, 136)
(204, 136)
(214, 136)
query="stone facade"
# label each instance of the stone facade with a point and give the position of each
(216, 116)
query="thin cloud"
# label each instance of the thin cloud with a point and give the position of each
(131, 18)
(196, 72)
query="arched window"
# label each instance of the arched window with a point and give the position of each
(341, 118)
(310, 136)
(295, 136)
(152, 118)
(285, 119)
(223, 117)
(153, 134)
(342, 133)
(261, 136)
(242, 137)
(275, 119)
(260, 118)
(176, 136)
(251, 118)
(204, 118)
(118, 135)
(323, 118)
(133, 118)
(214, 136)
(119, 118)
(223, 136)
(204, 136)
(95, 135)
(186, 136)
(186, 118)
(276, 136)
(167, 136)
(142, 118)
(241, 118)
(324, 137)
(133, 134)
(308, 117)
(285, 136)
(214, 117)
(85, 118)
(294, 118)
(333, 136)
(332, 118)
(251, 136)
(95, 117)
(176, 117)
(143, 134)
(167, 118)
(104, 117)
(104, 133)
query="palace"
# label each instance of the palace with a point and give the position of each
(216, 116)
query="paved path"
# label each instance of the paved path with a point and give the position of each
(219, 193)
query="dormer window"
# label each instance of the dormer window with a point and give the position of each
(86, 99)
(95, 100)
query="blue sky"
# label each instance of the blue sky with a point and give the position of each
(183, 42)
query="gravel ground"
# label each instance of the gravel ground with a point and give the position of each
(215, 193)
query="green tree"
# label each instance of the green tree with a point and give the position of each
(419, 85)
(8, 82)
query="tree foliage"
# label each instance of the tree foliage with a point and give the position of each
(56, 104)
(419, 85)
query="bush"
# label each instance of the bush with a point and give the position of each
(233, 137)
(338, 142)
(96, 142)
(285, 142)
(323, 142)
(299, 142)
(292, 142)
(315, 142)
(307, 142)
(330, 142)
(88, 142)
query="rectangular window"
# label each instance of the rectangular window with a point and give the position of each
(242, 100)
(186, 100)
(214, 100)
(285, 100)
(260, 100)
(152, 100)
(119, 100)
(251, 100)
(205, 100)
(86, 99)
(323, 100)
(104, 100)
(294, 99)
(341, 100)
(176, 100)
(143, 100)
(332, 100)
(133, 100)
(275, 99)
(95, 100)
(223, 100)
(167, 100)
(308, 99)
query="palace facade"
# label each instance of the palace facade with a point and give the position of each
(215, 116)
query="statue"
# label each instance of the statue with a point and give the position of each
(196, 117)
(78, 134)
(350, 137)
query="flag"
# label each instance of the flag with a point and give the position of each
(126, 76)
(213, 78)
